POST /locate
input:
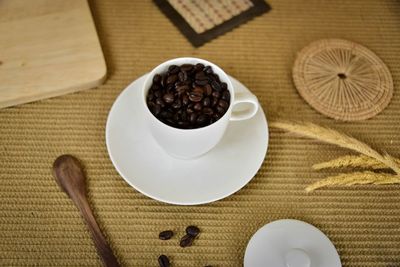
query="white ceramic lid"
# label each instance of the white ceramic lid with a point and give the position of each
(290, 243)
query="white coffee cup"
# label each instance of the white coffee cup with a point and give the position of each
(192, 143)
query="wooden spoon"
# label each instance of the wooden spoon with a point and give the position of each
(70, 177)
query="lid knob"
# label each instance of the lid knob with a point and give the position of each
(297, 258)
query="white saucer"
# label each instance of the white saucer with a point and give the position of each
(290, 243)
(146, 167)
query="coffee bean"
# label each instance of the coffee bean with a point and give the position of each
(226, 95)
(198, 67)
(198, 106)
(216, 77)
(165, 235)
(176, 117)
(206, 101)
(216, 116)
(220, 110)
(214, 102)
(166, 114)
(156, 110)
(184, 116)
(177, 104)
(157, 79)
(160, 102)
(202, 119)
(186, 241)
(172, 79)
(201, 76)
(208, 70)
(193, 118)
(187, 67)
(215, 85)
(173, 69)
(216, 94)
(157, 94)
(150, 97)
(168, 98)
(198, 90)
(192, 230)
(185, 100)
(195, 96)
(164, 80)
(182, 89)
(183, 124)
(207, 89)
(224, 86)
(208, 111)
(201, 82)
(189, 110)
(222, 103)
(163, 261)
(182, 76)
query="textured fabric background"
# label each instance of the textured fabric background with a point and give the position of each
(39, 226)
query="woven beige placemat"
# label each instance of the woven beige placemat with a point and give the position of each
(342, 79)
(39, 226)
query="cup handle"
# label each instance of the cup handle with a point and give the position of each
(238, 112)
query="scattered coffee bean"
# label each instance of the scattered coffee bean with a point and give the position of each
(188, 96)
(163, 261)
(165, 235)
(192, 230)
(186, 241)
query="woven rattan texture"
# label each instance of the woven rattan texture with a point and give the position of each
(204, 15)
(342, 79)
(39, 226)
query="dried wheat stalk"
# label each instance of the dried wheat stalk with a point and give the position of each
(360, 161)
(366, 177)
(334, 137)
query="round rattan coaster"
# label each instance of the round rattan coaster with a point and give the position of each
(342, 80)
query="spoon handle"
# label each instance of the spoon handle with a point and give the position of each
(103, 249)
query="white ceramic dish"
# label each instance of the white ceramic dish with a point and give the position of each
(290, 243)
(150, 170)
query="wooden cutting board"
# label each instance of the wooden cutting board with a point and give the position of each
(47, 48)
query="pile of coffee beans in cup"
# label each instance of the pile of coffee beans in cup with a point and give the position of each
(188, 96)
